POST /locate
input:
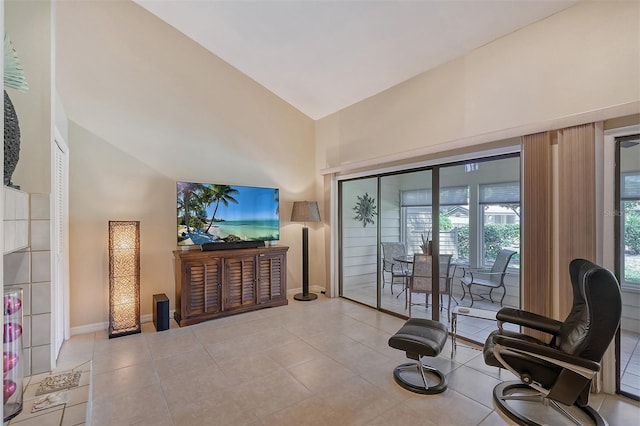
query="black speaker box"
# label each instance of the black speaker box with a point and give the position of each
(161, 312)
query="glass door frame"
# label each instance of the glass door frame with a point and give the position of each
(619, 254)
(435, 170)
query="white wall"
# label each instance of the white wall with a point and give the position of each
(29, 26)
(579, 60)
(148, 106)
(107, 184)
(580, 64)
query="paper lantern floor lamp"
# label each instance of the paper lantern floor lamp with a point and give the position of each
(124, 278)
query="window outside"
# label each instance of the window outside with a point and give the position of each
(630, 212)
(500, 204)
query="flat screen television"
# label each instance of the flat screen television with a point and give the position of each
(214, 213)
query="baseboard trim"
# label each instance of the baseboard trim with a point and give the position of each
(89, 328)
(100, 326)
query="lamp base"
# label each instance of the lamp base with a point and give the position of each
(305, 297)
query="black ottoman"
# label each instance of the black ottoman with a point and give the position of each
(420, 338)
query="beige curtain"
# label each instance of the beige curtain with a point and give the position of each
(576, 204)
(576, 221)
(577, 210)
(536, 259)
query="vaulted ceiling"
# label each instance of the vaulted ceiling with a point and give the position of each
(321, 56)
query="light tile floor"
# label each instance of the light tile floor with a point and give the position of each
(478, 330)
(325, 362)
(74, 410)
(630, 362)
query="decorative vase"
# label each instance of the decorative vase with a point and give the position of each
(12, 304)
(9, 388)
(9, 360)
(11, 141)
(11, 332)
(12, 362)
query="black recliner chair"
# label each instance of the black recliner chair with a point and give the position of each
(556, 376)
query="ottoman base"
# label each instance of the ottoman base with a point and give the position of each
(420, 378)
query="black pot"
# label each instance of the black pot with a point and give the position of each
(11, 141)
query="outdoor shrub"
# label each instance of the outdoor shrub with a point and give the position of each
(632, 232)
(499, 236)
(463, 241)
(496, 237)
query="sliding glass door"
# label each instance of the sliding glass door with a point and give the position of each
(410, 231)
(359, 240)
(463, 213)
(628, 262)
(479, 217)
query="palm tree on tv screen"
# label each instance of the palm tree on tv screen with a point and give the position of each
(191, 199)
(220, 194)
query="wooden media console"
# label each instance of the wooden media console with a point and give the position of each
(211, 284)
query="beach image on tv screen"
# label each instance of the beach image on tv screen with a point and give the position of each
(209, 213)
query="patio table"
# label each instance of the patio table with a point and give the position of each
(467, 312)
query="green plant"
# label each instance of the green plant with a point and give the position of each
(462, 234)
(632, 228)
(424, 245)
(496, 237)
(445, 222)
(14, 77)
(632, 275)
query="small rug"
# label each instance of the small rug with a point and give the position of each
(59, 382)
(50, 400)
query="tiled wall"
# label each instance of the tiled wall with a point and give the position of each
(16, 219)
(30, 269)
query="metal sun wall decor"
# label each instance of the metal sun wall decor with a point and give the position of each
(365, 209)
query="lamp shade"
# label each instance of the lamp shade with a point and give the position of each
(305, 211)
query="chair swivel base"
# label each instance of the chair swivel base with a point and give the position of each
(526, 406)
(410, 377)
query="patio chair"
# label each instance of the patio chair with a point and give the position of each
(492, 278)
(398, 270)
(420, 280)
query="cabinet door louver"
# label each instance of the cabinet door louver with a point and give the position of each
(204, 279)
(271, 270)
(241, 282)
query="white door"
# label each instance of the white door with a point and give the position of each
(60, 245)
